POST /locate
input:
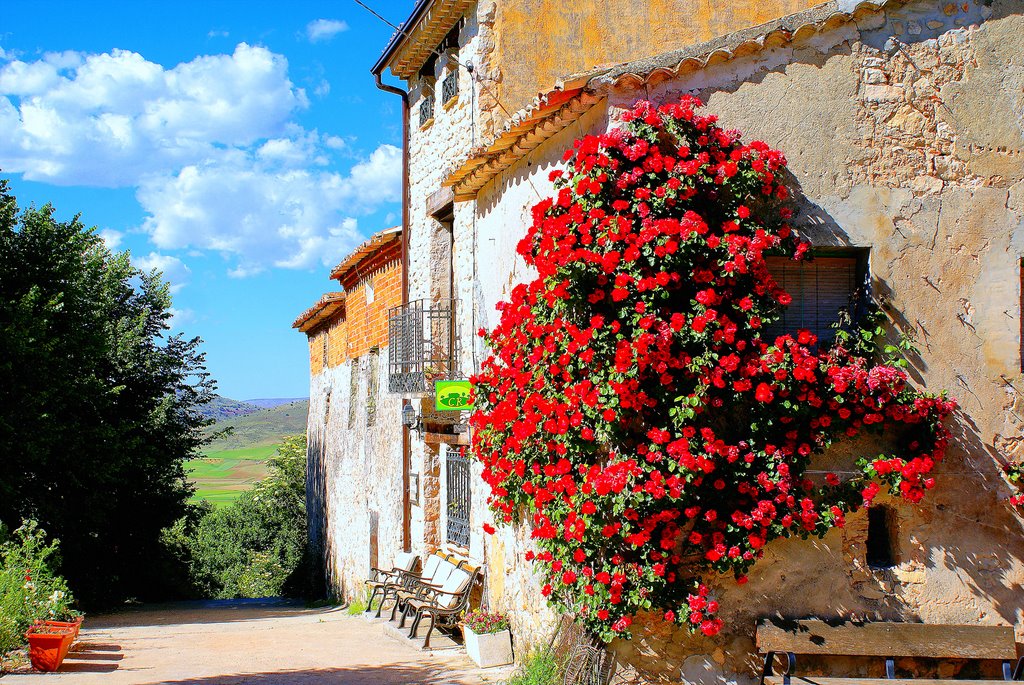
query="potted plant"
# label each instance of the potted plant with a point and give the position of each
(48, 645)
(488, 638)
(72, 619)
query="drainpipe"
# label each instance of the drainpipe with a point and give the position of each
(406, 438)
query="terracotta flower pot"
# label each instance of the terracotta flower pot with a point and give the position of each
(76, 625)
(48, 645)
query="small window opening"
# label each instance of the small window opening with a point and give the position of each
(881, 537)
(372, 385)
(353, 394)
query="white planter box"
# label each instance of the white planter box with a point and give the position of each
(492, 649)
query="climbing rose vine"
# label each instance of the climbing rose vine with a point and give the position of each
(634, 411)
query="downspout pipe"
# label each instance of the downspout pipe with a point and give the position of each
(406, 438)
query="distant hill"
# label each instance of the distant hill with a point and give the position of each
(226, 408)
(275, 401)
(262, 427)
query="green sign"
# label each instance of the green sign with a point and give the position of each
(452, 396)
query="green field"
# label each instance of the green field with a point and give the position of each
(223, 475)
(235, 462)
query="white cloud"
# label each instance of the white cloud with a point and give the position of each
(112, 238)
(114, 118)
(174, 270)
(211, 148)
(215, 33)
(180, 317)
(324, 29)
(263, 213)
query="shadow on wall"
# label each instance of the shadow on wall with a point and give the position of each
(960, 553)
(367, 675)
(316, 510)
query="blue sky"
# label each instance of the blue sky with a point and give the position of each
(240, 147)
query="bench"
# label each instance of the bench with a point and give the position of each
(436, 570)
(380, 580)
(444, 604)
(890, 641)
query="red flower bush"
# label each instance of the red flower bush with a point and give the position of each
(634, 412)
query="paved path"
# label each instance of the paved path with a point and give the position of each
(250, 643)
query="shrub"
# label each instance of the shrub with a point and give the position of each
(539, 667)
(30, 590)
(634, 412)
(255, 547)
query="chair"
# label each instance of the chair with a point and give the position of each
(414, 584)
(444, 605)
(405, 562)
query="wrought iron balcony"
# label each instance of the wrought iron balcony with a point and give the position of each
(421, 346)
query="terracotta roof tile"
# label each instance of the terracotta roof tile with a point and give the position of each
(325, 308)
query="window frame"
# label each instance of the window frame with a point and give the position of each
(859, 295)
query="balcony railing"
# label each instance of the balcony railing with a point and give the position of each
(421, 346)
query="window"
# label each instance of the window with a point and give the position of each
(427, 108)
(368, 289)
(458, 497)
(881, 552)
(450, 86)
(353, 393)
(820, 289)
(371, 388)
(427, 82)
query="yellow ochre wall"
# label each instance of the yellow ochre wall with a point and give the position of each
(538, 41)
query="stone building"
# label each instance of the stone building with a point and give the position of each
(903, 122)
(354, 486)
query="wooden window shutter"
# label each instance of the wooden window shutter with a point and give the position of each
(819, 288)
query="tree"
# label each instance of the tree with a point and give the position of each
(635, 413)
(98, 401)
(256, 546)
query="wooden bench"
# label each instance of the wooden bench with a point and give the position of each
(890, 641)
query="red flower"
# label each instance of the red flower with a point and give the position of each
(764, 393)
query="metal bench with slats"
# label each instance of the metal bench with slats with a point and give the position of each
(786, 639)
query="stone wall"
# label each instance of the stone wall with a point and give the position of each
(354, 497)
(354, 454)
(904, 131)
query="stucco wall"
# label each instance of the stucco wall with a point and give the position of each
(355, 470)
(904, 133)
(567, 37)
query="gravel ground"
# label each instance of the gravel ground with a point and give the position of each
(250, 642)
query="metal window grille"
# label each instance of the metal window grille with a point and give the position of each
(426, 109)
(450, 86)
(372, 387)
(458, 498)
(421, 346)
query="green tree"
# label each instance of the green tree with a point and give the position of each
(98, 401)
(257, 546)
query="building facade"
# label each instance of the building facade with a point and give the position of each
(903, 124)
(353, 488)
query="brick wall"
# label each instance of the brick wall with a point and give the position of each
(316, 346)
(368, 320)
